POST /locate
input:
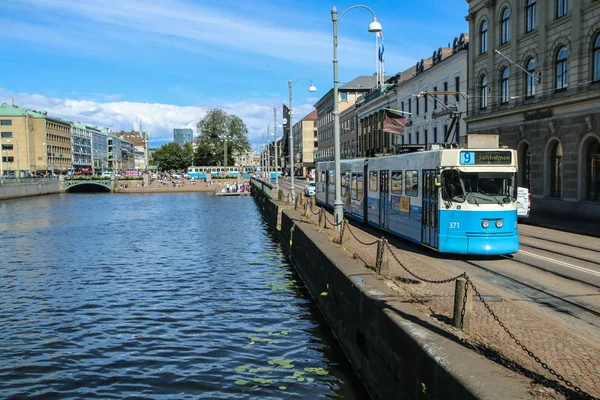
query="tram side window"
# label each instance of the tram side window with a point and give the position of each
(332, 177)
(353, 193)
(411, 183)
(359, 187)
(397, 182)
(373, 181)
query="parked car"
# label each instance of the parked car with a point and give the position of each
(309, 190)
(106, 174)
(523, 202)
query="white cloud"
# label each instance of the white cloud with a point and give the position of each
(156, 118)
(193, 28)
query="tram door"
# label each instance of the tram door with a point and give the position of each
(384, 195)
(429, 234)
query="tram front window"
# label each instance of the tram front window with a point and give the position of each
(488, 188)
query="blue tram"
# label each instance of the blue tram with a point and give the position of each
(451, 200)
(214, 171)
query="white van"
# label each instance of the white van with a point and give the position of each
(523, 202)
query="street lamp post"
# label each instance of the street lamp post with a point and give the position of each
(312, 88)
(275, 144)
(374, 26)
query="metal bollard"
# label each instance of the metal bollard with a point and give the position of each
(342, 230)
(463, 305)
(320, 221)
(306, 209)
(384, 264)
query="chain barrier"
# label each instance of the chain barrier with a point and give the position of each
(357, 239)
(524, 348)
(463, 275)
(332, 223)
(497, 319)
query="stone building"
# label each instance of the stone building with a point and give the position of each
(534, 79)
(348, 94)
(33, 142)
(305, 143)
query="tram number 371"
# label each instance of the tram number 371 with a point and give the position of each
(454, 225)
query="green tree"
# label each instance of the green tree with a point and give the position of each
(169, 157)
(217, 130)
(188, 155)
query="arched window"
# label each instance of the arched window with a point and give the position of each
(504, 86)
(556, 170)
(592, 170)
(483, 35)
(596, 59)
(483, 92)
(562, 8)
(505, 26)
(530, 13)
(530, 78)
(562, 68)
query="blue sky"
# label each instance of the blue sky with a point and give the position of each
(165, 62)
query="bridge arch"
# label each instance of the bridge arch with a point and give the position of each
(96, 186)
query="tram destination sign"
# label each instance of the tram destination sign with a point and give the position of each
(485, 157)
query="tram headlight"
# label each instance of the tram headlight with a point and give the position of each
(485, 223)
(499, 223)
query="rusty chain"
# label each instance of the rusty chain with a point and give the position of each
(357, 239)
(463, 275)
(524, 348)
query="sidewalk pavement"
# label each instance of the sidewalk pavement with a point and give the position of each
(572, 354)
(581, 227)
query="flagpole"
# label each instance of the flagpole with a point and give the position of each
(377, 68)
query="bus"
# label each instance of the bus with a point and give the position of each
(451, 200)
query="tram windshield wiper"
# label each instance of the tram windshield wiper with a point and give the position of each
(490, 195)
(469, 194)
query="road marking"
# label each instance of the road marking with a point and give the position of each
(564, 264)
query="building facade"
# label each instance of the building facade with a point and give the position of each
(32, 143)
(347, 96)
(534, 80)
(140, 146)
(431, 98)
(183, 136)
(82, 147)
(305, 143)
(100, 149)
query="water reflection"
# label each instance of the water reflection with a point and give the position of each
(161, 296)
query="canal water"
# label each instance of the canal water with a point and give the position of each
(157, 296)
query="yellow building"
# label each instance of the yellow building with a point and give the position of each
(32, 143)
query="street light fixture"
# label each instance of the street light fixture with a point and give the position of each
(374, 26)
(312, 88)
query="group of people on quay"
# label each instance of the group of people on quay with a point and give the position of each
(236, 187)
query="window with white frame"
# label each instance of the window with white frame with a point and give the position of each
(530, 80)
(504, 86)
(483, 31)
(530, 15)
(505, 26)
(562, 68)
(483, 85)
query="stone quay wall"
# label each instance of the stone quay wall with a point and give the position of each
(28, 189)
(396, 352)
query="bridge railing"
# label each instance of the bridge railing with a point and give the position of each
(264, 186)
